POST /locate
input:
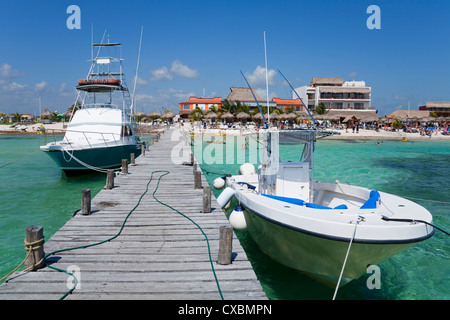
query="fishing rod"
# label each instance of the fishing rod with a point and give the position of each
(306, 108)
(133, 101)
(266, 124)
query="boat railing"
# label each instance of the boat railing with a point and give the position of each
(51, 134)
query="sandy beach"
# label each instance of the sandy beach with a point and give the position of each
(32, 128)
(59, 127)
(343, 134)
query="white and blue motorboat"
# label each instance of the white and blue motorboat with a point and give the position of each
(329, 230)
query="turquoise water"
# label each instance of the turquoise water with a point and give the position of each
(34, 191)
(416, 170)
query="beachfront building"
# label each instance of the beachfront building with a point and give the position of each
(186, 107)
(26, 118)
(440, 108)
(288, 105)
(336, 93)
(245, 96)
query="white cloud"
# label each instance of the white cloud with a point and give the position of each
(41, 85)
(258, 77)
(161, 74)
(143, 97)
(13, 86)
(6, 72)
(263, 95)
(141, 81)
(182, 70)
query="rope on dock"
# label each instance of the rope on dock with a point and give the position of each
(29, 247)
(37, 244)
(96, 243)
(207, 241)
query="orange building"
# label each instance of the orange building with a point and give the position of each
(286, 103)
(186, 107)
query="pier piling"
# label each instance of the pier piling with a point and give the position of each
(124, 166)
(206, 199)
(34, 242)
(86, 201)
(110, 179)
(197, 179)
(225, 245)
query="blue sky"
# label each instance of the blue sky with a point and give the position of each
(191, 47)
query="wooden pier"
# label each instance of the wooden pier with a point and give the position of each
(159, 254)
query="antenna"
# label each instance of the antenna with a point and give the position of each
(267, 80)
(137, 70)
(306, 108)
(92, 41)
(262, 113)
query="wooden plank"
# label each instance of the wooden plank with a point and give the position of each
(159, 254)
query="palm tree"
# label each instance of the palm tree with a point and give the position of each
(74, 107)
(228, 106)
(321, 108)
(196, 114)
(16, 117)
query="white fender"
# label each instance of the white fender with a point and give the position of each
(225, 196)
(247, 168)
(218, 183)
(237, 219)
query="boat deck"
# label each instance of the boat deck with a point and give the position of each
(160, 254)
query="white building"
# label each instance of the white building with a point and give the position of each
(336, 93)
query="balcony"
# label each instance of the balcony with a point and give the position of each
(344, 96)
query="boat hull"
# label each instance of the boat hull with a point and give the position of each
(319, 257)
(103, 157)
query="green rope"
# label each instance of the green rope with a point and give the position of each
(122, 227)
(207, 241)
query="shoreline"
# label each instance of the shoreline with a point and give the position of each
(59, 128)
(364, 134)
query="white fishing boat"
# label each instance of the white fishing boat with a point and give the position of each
(331, 231)
(100, 133)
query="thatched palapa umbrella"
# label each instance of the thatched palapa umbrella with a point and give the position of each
(258, 116)
(168, 115)
(211, 115)
(243, 116)
(46, 114)
(154, 115)
(274, 116)
(227, 116)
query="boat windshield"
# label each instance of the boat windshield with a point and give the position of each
(293, 152)
(294, 147)
(100, 105)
